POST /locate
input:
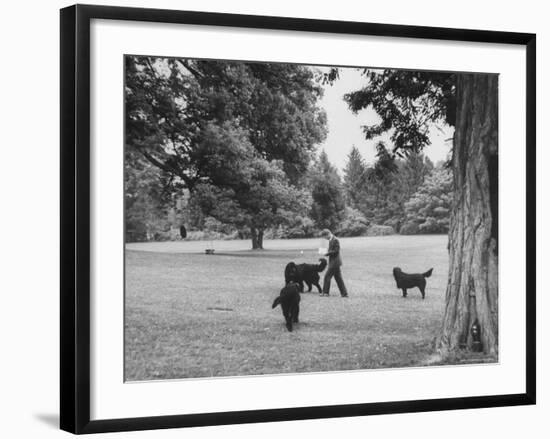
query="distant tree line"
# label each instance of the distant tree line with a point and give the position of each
(414, 198)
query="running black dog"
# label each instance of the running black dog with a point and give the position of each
(289, 299)
(308, 273)
(406, 280)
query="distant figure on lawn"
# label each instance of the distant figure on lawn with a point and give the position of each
(334, 264)
(183, 232)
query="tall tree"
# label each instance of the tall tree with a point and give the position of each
(428, 210)
(408, 102)
(389, 184)
(147, 192)
(354, 177)
(244, 189)
(173, 104)
(472, 291)
(327, 192)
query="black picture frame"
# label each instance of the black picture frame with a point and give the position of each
(75, 217)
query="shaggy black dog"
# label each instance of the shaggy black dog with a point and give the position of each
(406, 280)
(289, 299)
(308, 273)
(291, 273)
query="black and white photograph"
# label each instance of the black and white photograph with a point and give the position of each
(289, 218)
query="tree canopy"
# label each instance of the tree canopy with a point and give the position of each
(243, 188)
(238, 135)
(380, 191)
(408, 104)
(354, 177)
(327, 193)
(170, 102)
(428, 210)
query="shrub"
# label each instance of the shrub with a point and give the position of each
(353, 224)
(300, 227)
(394, 222)
(213, 225)
(429, 207)
(202, 235)
(434, 225)
(274, 233)
(409, 228)
(379, 230)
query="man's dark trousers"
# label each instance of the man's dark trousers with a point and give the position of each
(335, 272)
(333, 269)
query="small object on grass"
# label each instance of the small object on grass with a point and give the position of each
(218, 308)
(210, 249)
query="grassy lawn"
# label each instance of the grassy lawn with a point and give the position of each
(188, 314)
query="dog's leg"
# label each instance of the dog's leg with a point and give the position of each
(287, 316)
(301, 286)
(423, 291)
(309, 287)
(404, 292)
(289, 324)
(319, 287)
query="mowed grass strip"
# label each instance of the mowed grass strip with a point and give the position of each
(196, 315)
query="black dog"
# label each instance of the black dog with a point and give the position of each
(291, 273)
(405, 280)
(289, 299)
(308, 273)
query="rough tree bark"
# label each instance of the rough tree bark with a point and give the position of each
(257, 238)
(472, 290)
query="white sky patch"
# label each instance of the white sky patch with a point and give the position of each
(345, 127)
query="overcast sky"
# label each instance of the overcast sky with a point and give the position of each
(344, 127)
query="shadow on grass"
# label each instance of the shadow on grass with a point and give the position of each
(459, 358)
(262, 254)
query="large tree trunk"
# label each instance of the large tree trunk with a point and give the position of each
(257, 238)
(472, 290)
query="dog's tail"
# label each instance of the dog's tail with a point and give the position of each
(428, 273)
(276, 302)
(322, 264)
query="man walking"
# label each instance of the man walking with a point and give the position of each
(334, 264)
